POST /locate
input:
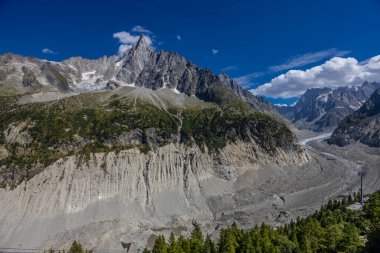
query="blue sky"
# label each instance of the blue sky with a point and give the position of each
(253, 41)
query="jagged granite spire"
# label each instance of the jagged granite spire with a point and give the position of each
(136, 58)
(142, 44)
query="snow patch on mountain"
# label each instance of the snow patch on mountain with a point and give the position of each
(119, 63)
(88, 75)
(324, 97)
(72, 67)
(176, 91)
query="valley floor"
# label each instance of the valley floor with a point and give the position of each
(332, 173)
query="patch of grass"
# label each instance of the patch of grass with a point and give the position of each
(144, 148)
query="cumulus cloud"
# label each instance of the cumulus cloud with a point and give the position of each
(333, 73)
(179, 37)
(48, 51)
(214, 51)
(127, 39)
(293, 62)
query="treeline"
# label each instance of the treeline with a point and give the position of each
(334, 228)
(76, 247)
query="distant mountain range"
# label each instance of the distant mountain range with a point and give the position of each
(322, 109)
(361, 126)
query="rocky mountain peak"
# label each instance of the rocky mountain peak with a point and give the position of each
(372, 106)
(361, 126)
(366, 83)
(141, 48)
(135, 60)
(142, 44)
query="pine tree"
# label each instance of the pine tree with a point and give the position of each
(372, 211)
(351, 241)
(197, 233)
(306, 245)
(294, 239)
(265, 239)
(196, 239)
(160, 245)
(247, 244)
(227, 241)
(173, 245)
(76, 248)
(184, 244)
(209, 246)
(231, 244)
(373, 243)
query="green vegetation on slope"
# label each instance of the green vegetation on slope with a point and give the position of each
(214, 128)
(334, 228)
(62, 128)
(93, 122)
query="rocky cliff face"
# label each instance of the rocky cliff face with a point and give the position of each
(322, 109)
(361, 126)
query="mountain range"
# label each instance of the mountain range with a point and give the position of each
(322, 109)
(139, 66)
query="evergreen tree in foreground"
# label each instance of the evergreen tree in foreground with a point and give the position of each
(334, 228)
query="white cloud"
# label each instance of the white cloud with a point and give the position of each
(48, 51)
(141, 29)
(127, 39)
(230, 68)
(333, 73)
(179, 37)
(293, 62)
(123, 48)
(247, 80)
(214, 51)
(308, 58)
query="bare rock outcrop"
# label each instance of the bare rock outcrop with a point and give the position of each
(361, 126)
